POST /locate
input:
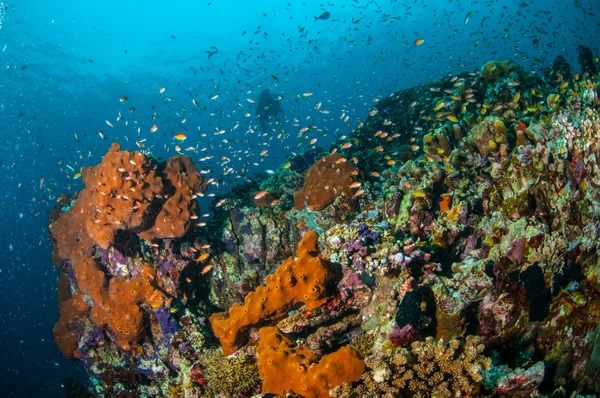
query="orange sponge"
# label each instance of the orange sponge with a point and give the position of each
(116, 302)
(300, 279)
(327, 179)
(285, 368)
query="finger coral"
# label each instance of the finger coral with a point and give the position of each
(428, 369)
(327, 179)
(286, 368)
(238, 375)
(301, 279)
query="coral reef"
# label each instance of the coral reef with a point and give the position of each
(462, 258)
(302, 279)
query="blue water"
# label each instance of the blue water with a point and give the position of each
(64, 65)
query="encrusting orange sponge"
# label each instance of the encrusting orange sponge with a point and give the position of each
(299, 279)
(285, 368)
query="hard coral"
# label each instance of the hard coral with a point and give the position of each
(238, 375)
(285, 368)
(429, 369)
(327, 179)
(300, 279)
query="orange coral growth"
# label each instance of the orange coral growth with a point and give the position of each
(124, 192)
(71, 310)
(300, 279)
(445, 200)
(327, 179)
(122, 187)
(173, 219)
(119, 194)
(71, 239)
(116, 302)
(285, 368)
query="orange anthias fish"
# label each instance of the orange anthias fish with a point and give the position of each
(180, 136)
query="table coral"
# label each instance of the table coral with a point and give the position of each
(302, 279)
(327, 179)
(286, 368)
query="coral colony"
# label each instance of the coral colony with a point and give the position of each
(448, 248)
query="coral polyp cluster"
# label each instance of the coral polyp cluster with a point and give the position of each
(447, 247)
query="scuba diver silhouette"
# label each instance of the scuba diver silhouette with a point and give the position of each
(268, 109)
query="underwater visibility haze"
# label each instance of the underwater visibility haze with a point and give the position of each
(351, 198)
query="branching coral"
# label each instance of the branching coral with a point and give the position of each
(237, 375)
(428, 369)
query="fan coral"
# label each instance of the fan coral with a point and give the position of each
(327, 179)
(286, 368)
(300, 279)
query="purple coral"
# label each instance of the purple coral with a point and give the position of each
(168, 325)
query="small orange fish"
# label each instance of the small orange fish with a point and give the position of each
(355, 184)
(391, 162)
(406, 184)
(359, 192)
(347, 145)
(378, 149)
(260, 195)
(161, 90)
(418, 42)
(375, 174)
(180, 136)
(312, 142)
(206, 269)
(414, 148)
(153, 128)
(202, 257)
